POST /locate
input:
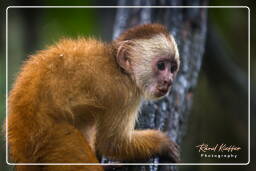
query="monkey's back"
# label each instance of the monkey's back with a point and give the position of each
(50, 83)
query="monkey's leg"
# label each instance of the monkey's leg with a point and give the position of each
(58, 168)
(27, 168)
(72, 168)
(68, 145)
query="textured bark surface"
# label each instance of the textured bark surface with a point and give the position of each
(188, 26)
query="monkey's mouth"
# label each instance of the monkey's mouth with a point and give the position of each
(161, 91)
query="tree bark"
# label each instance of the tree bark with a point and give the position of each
(188, 26)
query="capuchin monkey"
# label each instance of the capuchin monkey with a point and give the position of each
(82, 97)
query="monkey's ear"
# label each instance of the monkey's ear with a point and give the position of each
(122, 56)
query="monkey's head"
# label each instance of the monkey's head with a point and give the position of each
(150, 55)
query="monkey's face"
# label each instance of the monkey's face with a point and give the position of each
(156, 79)
(155, 63)
(164, 69)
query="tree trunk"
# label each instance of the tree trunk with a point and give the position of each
(188, 26)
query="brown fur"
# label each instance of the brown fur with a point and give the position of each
(145, 31)
(72, 100)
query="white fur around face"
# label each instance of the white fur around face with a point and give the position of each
(143, 51)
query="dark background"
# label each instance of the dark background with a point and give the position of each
(219, 112)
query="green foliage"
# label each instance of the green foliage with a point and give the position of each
(67, 22)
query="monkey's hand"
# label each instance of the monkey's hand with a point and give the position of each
(170, 152)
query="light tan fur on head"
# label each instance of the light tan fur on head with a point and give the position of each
(143, 51)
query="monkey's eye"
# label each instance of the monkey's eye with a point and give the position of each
(161, 66)
(173, 67)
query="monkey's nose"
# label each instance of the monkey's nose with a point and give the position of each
(167, 82)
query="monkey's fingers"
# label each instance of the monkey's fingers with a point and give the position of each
(172, 154)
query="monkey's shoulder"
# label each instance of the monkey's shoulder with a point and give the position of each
(86, 53)
(91, 54)
(81, 46)
(81, 50)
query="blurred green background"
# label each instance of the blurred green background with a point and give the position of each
(219, 112)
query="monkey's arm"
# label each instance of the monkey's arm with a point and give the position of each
(134, 145)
